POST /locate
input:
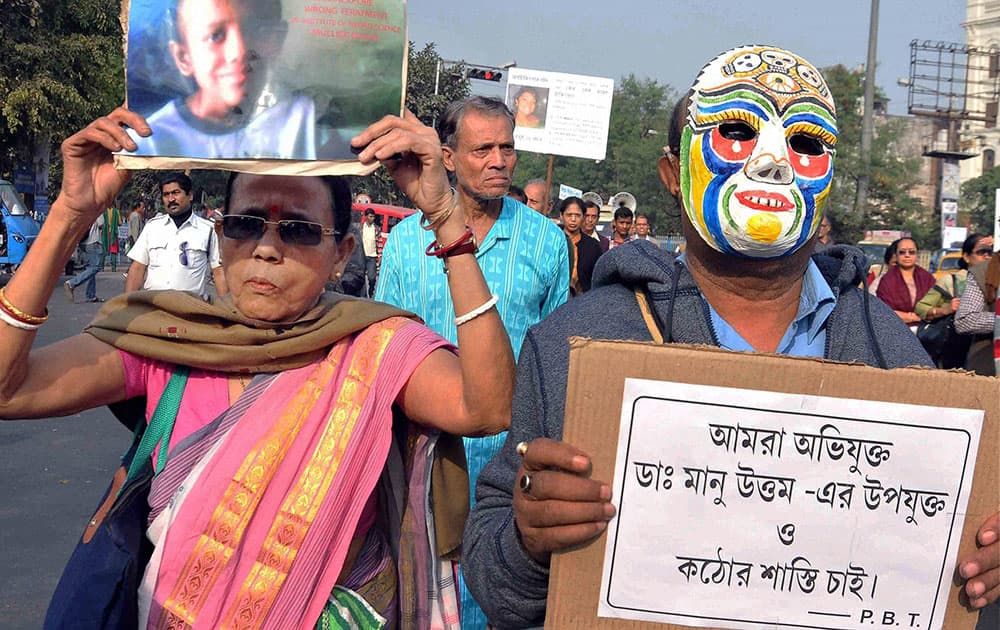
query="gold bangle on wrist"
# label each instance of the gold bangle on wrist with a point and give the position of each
(437, 220)
(34, 320)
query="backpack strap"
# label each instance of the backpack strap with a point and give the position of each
(647, 315)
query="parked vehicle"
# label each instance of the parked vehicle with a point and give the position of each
(948, 264)
(18, 229)
(875, 242)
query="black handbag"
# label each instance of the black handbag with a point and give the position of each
(939, 337)
(936, 335)
(99, 586)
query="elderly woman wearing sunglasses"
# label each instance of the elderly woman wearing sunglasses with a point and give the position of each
(977, 315)
(305, 438)
(944, 297)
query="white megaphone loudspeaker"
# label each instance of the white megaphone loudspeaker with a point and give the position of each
(626, 199)
(592, 196)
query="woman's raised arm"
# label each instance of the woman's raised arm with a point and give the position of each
(470, 394)
(79, 372)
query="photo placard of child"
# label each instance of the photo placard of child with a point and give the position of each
(230, 83)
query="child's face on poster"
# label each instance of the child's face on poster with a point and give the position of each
(225, 45)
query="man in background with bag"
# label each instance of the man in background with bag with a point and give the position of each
(94, 247)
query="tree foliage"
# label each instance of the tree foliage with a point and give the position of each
(979, 200)
(62, 66)
(640, 115)
(891, 174)
(420, 80)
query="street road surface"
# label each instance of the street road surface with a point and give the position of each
(52, 475)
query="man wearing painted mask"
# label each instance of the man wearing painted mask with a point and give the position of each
(750, 159)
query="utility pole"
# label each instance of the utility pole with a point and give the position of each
(867, 129)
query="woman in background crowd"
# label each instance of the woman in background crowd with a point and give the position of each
(905, 283)
(976, 315)
(944, 297)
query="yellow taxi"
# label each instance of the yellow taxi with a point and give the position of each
(948, 264)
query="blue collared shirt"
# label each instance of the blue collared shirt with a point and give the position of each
(525, 261)
(806, 335)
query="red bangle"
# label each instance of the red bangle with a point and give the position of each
(466, 244)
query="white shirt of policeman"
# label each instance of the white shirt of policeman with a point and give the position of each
(180, 258)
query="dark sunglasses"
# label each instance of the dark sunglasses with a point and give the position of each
(983, 252)
(242, 227)
(906, 252)
(183, 259)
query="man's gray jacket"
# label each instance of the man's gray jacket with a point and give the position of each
(507, 583)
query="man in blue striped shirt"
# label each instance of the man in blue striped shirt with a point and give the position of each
(522, 254)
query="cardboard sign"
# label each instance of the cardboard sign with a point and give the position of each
(264, 86)
(774, 492)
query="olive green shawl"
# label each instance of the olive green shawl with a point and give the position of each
(180, 328)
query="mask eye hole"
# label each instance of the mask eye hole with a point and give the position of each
(805, 145)
(739, 131)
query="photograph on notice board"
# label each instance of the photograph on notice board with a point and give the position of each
(262, 79)
(529, 104)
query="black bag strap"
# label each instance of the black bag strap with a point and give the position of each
(943, 292)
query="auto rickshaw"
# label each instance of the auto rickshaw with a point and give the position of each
(18, 229)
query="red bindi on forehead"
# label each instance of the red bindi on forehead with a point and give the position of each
(274, 212)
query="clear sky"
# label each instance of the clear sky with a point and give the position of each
(669, 40)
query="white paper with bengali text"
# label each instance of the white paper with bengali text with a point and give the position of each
(576, 116)
(748, 509)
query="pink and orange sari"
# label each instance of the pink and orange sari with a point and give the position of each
(261, 538)
(258, 510)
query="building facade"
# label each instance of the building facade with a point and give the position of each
(982, 28)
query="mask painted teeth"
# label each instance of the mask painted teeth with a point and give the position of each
(772, 203)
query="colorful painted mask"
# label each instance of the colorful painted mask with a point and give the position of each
(757, 152)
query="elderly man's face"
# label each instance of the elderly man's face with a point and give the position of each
(483, 158)
(642, 226)
(537, 199)
(757, 152)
